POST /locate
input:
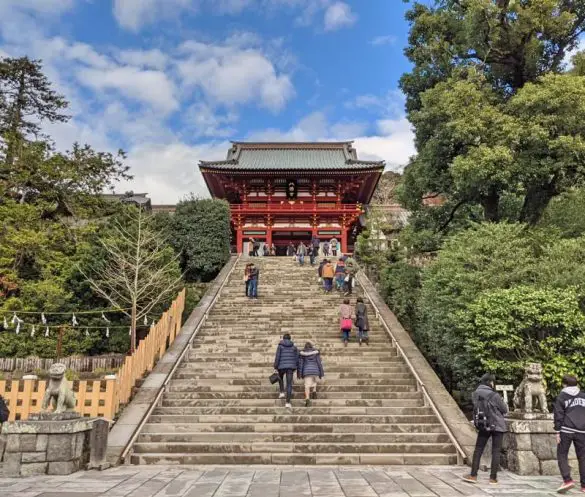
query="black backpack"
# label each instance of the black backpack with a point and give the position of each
(4, 412)
(482, 418)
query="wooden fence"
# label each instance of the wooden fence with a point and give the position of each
(102, 397)
(79, 364)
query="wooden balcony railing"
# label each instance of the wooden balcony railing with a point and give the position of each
(297, 207)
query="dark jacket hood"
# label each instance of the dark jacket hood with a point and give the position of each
(286, 343)
(309, 352)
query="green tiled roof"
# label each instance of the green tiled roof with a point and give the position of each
(289, 156)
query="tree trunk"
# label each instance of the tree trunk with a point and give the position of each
(536, 200)
(133, 330)
(16, 120)
(491, 205)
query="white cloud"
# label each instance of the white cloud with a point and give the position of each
(231, 75)
(147, 86)
(150, 59)
(339, 15)
(394, 143)
(201, 120)
(388, 104)
(383, 40)
(53, 7)
(169, 172)
(133, 14)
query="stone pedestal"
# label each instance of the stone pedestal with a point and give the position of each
(530, 446)
(54, 444)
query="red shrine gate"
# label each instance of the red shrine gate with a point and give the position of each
(288, 192)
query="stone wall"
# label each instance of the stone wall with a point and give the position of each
(34, 447)
(530, 446)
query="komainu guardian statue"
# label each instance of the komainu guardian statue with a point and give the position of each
(530, 396)
(58, 392)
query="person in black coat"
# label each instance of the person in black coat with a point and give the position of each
(285, 363)
(486, 396)
(569, 419)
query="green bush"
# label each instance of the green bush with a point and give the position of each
(484, 258)
(200, 231)
(506, 328)
(400, 286)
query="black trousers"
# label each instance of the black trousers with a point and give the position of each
(289, 382)
(482, 440)
(563, 455)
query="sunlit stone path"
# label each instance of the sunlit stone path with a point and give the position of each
(269, 481)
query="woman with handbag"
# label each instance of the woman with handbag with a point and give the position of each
(345, 322)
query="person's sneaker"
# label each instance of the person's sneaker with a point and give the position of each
(470, 479)
(281, 395)
(307, 402)
(314, 394)
(288, 405)
(493, 481)
(566, 486)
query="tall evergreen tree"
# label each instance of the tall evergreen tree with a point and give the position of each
(485, 104)
(26, 100)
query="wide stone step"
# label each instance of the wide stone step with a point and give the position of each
(294, 416)
(261, 390)
(187, 392)
(295, 459)
(252, 360)
(298, 448)
(225, 437)
(356, 370)
(389, 380)
(228, 375)
(281, 410)
(179, 400)
(177, 427)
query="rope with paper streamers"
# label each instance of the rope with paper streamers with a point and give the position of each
(19, 324)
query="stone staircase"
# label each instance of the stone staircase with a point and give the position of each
(221, 409)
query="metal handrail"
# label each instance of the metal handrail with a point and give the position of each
(186, 349)
(460, 452)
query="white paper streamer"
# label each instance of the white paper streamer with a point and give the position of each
(14, 319)
(32, 331)
(47, 332)
(86, 332)
(18, 326)
(105, 318)
(43, 318)
(74, 320)
(130, 331)
(107, 332)
(5, 323)
(145, 321)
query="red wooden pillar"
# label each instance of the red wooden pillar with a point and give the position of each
(239, 241)
(344, 240)
(269, 237)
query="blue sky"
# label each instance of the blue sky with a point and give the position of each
(173, 81)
